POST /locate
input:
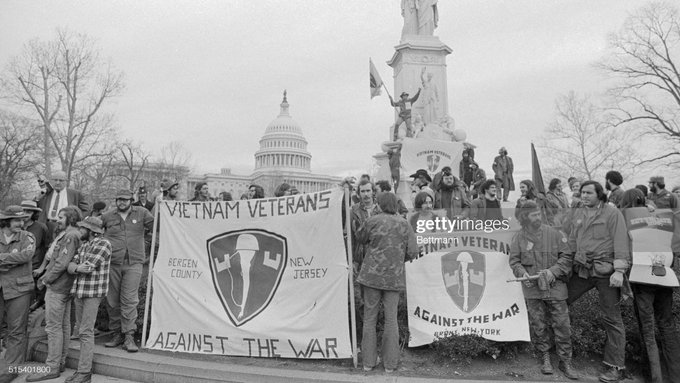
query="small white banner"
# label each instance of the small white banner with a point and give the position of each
(260, 278)
(459, 287)
(431, 155)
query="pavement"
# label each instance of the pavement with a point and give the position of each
(117, 365)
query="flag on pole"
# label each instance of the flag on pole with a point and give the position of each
(536, 175)
(376, 81)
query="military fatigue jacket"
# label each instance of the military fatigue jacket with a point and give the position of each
(547, 249)
(15, 264)
(389, 242)
(664, 200)
(55, 275)
(599, 242)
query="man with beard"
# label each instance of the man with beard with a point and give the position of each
(486, 206)
(659, 196)
(359, 213)
(600, 244)
(539, 249)
(125, 228)
(16, 285)
(58, 296)
(452, 197)
(613, 181)
(91, 268)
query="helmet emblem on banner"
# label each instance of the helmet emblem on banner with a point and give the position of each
(433, 162)
(464, 274)
(246, 267)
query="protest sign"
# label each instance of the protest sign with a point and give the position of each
(459, 286)
(264, 278)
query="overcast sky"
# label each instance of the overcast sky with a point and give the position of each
(211, 73)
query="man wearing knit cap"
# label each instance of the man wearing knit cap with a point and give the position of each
(662, 198)
(125, 227)
(16, 285)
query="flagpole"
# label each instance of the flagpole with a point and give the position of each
(350, 256)
(147, 301)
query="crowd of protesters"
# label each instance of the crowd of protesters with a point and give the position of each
(56, 251)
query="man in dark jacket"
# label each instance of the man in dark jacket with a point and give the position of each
(16, 283)
(451, 197)
(503, 169)
(539, 250)
(58, 198)
(125, 228)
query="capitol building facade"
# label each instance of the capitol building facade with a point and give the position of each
(282, 157)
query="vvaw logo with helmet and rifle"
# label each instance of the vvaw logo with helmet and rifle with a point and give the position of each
(464, 277)
(247, 267)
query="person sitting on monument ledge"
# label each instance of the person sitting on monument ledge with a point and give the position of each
(478, 178)
(404, 105)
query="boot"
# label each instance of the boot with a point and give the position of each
(613, 374)
(116, 341)
(568, 370)
(129, 344)
(547, 368)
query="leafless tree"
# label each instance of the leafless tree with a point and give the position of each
(19, 150)
(582, 142)
(644, 57)
(174, 161)
(65, 84)
(135, 160)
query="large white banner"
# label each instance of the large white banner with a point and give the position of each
(264, 278)
(460, 287)
(431, 155)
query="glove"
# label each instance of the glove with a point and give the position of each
(549, 276)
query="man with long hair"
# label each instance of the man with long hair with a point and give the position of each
(58, 296)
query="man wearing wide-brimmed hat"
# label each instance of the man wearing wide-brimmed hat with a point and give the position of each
(38, 229)
(404, 104)
(125, 227)
(16, 284)
(91, 268)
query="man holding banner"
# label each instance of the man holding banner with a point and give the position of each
(599, 241)
(540, 256)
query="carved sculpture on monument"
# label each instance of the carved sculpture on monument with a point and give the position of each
(430, 97)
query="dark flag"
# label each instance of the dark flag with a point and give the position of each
(536, 175)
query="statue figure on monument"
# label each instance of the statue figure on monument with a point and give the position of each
(430, 97)
(420, 17)
(404, 104)
(428, 17)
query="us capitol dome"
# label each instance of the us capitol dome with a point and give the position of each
(282, 157)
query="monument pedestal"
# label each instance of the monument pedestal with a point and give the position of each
(414, 54)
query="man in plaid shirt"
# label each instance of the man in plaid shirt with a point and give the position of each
(91, 267)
